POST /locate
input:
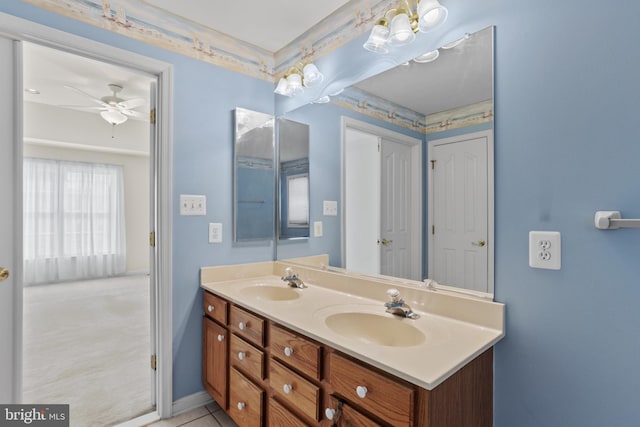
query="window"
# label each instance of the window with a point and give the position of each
(298, 200)
(73, 220)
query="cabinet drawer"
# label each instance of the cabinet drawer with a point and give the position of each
(344, 415)
(279, 416)
(247, 325)
(245, 400)
(247, 358)
(296, 351)
(215, 307)
(294, 389)
(387, 399)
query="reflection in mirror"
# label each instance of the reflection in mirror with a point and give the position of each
(254, 176)
(447, 105)
(293, 145)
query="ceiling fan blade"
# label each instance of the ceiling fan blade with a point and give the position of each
(94, 99)
(132, 103)
(80, 107)
(135, 114)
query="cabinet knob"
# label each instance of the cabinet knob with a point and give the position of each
(241, 355)
(361, 391)
(287, 388)
(241, 406)
(288, 351)
(242, 326)
(330, 413)
(210, 308)
(220, 338)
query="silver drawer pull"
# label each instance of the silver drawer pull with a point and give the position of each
(287, 388)
(288, 351)
(361, 391)
(241, 355)
(241, 406)
(242, 326)
(220, 338)
(330, 413)
(210, 308)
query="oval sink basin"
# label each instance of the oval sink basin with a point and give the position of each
(271, 293)
(375, 329)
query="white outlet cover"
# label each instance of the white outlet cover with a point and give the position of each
(317, 229)
(215, 232)
(545, 250)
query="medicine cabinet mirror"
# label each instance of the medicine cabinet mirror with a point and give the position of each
(293, 187)
(254, 176)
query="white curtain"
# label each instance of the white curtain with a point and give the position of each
(73, 221)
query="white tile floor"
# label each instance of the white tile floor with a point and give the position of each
(205, 416)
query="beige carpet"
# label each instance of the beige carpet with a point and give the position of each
(87, 344)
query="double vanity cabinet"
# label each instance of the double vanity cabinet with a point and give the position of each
(264, 371)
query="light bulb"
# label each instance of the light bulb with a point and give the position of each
(431, 15)
(114, 117)
(377, 41)
(400, 32)
(283, 87)
(295, 83)
(312, 76)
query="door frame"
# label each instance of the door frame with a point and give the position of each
(19, 30)
(488, 134)
(416, 177)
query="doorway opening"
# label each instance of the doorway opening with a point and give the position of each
(382, 199)
(89, 298)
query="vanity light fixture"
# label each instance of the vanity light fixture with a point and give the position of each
(297, 78)
(399, 26)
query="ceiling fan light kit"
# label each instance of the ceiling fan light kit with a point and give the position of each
(399, 25)
(113, 109)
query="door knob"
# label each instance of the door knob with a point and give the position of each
(480, 243)
(4, 273)
(384, 242)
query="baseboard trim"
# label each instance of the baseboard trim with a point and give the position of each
(190, 402)
(143, 420)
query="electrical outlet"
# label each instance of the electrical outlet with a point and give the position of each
(317, 229)
(545, 250)
(215, 232)
(193, 205)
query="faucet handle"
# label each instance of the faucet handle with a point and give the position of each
(288, 272)
(394, 294)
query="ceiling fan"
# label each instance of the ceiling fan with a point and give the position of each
(113, 109)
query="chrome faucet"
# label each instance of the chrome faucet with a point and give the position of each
(293, 280)
(398, 307)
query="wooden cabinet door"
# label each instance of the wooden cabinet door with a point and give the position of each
(214, 361)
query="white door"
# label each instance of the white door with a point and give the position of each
(362, 202)
(395, 227)
(9, 286)
(153, 253)
(460, 213)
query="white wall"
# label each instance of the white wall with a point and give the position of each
(54, 133)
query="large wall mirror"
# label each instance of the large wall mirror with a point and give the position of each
(254, 176)
(293, 169)
(412, 169)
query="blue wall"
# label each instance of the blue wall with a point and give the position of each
(566, 145)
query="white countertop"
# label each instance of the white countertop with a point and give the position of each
(449, 343)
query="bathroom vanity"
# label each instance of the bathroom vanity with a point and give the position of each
(329, 354)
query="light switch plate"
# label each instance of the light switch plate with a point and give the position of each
(191, 204)
(215, 232)
(545, 250)
(330, 208)
(317, 229)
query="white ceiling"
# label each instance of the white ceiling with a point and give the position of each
(49, 71)
(270, 25)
